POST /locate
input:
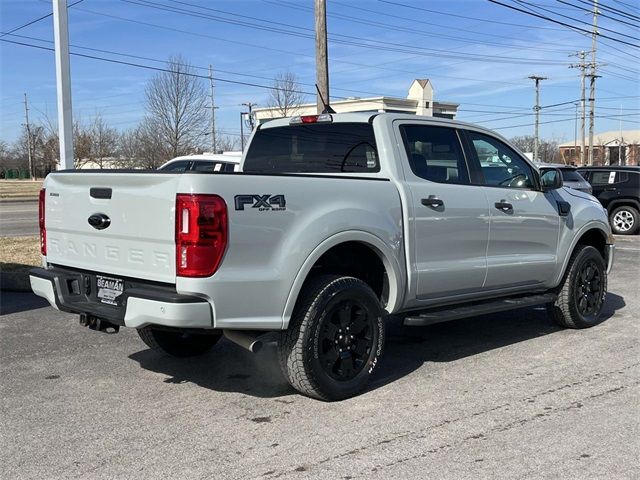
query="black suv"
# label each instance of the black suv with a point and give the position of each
(618, 189)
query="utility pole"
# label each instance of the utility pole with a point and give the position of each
(575, 133)
(29, 139)
(536, 109)
(621, 161)
(592, 79)
(63, 83)
(250, 106)
(583, 104)
(322, 61)
(214, 145)
(242, 131)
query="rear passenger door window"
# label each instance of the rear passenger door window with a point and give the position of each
(501, 166)
(207, 166)
(608, 177)
(435, 153)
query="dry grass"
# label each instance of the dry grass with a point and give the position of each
(19, 253)
(19, 188)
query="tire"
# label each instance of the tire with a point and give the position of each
(582, 291)
(334, 340)
(176, 343)
(624, 220)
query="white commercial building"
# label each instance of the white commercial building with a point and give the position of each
(419, 101)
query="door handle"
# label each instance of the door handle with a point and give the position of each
(432, 201)
(504, 206)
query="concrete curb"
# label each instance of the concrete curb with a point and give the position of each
(15, 282)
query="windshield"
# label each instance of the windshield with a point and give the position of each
(313, 148)
(571, 175)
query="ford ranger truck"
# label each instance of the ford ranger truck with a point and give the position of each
(335, 223)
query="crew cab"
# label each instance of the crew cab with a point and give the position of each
(335, 223)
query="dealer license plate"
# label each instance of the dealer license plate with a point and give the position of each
(109, 289)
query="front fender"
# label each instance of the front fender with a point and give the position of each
(571, 242)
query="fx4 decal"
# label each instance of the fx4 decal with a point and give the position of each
(261, 202)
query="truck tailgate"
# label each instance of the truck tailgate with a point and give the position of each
(140, 239)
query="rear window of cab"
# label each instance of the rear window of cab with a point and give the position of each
(313, 148)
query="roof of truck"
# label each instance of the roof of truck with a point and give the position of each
(366, 117)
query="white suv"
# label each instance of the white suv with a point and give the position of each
(206, 162)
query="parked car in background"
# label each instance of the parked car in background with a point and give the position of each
(570, 176)
(618, 190)
(206, 162)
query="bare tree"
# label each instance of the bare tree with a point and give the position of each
(548, 149)
(524, 143)
(142, 147)
(285, 96)
(103, 140)
(176, 102)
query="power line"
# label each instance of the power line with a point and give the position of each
(523, 2)
(469, 18)
(602, 7)
(147, 67)
(342, 39)
(335, 60)
(610, 9)
(561, 23)
(36, 20)
(404, 29)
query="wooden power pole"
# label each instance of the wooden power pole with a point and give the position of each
(214, 144)
(322, 61)
(592, 79)
(583, 74)
(29, 139)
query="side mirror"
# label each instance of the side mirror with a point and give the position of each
(550, 179)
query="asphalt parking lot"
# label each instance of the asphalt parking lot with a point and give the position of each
(504, 396)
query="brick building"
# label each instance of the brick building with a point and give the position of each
(609, 148)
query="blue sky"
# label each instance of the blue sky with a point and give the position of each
(476, 53)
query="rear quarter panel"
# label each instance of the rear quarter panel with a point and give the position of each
(269, 250)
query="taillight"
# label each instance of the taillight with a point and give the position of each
(201, 234)
(43, 230)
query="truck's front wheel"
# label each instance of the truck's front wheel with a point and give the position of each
(177, 343)
(582, 291)
(334, 339)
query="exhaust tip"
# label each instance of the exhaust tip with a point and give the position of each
(247, 339)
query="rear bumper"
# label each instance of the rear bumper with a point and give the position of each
(142, 303)
(609, 254)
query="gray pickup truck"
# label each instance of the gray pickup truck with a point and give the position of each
(334, 223)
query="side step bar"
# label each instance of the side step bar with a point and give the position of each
(444, 314)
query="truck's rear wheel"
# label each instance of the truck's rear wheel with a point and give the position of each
(334, 339)
(582, 291)
(177, 343)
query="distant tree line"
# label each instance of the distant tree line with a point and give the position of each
(176, 122)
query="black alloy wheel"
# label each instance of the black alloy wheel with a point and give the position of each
(589, 289)
(346, 339)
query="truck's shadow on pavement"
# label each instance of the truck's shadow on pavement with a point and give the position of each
(229, 368)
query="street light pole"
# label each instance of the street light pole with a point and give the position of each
(63, 83)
